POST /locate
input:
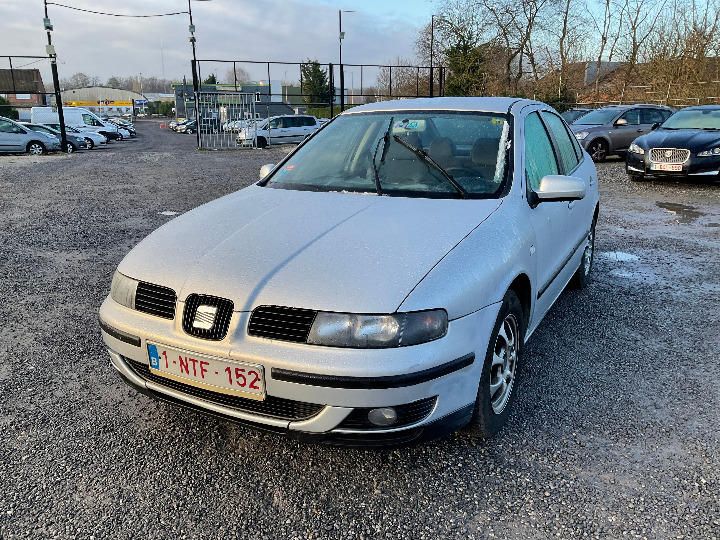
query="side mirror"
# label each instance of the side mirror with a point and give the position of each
(556, 187)
(621, 122)
(655, 126)
(266, 169)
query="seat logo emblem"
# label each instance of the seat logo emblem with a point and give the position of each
(204, 317)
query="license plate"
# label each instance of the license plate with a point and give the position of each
(208, 372)
(673, 167)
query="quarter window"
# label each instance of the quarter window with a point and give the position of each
(565, 146)
(539, 154)
(651, 116)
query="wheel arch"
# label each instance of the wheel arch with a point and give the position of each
(33, 141)
(522, 286)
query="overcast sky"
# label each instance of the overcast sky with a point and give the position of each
(282, 30)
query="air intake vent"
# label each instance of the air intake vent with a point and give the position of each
(207, 317)
(155, 300)
(283, 323)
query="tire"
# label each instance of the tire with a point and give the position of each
(36, 148)
(492, 406)
(70, 148)
(261, 142)
(636, 177)
(598, 150)
(582, 275)
(120, 137)
(90, 144)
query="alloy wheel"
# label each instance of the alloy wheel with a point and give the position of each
(69, 148)
(587, 259)
(597, 151)
(504, 362)
(35, 149)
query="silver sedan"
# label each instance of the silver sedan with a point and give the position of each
(376, 286)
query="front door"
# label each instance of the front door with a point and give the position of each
(549, 220)
(623, 134)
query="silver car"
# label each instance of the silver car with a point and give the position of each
(19, 139)
(376, 286)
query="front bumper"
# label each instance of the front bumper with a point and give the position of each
(694, 167)
(335, 385)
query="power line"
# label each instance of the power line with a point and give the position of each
(118, 14)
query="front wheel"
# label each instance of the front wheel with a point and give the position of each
(120, 137)
(90, 144)
(70, 148)
(598, 150)
(582, 275)
(636, 177)
(495, 392)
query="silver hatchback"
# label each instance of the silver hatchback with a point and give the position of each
(15, 138)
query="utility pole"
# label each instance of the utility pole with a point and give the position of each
(196, 86)
(341, 35)
(56, 80)
(432, 47)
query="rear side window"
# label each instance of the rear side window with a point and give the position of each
(564, 143)
(308, 121)
(539, 154)
(651, 116)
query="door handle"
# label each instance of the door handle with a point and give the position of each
(640, 130)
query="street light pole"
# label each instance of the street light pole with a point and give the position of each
(196, 85)
(341, 35)
(56, 80)
(432, 47)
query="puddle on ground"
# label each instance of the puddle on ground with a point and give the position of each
(684, 213)
(619, 256)
(712, 224)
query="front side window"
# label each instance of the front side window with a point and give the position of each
(539, 154)
(565, 145)
(408, 153)
(275, 123)
(6, 127)
(88, 119)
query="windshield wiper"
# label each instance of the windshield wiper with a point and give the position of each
(430, 161)
(384, 139)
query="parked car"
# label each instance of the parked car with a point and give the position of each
(573, 114)
(279, 130)
(124, 125)
(74, 143)
(92, 138)
(686, 145)
(610, 130)
(175, 123)
(377, 292)
(19, 139)
(188, 127)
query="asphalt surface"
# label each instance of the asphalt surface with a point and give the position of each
(614, 433)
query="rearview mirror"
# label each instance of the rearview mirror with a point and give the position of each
(556, 187)
(621, 122)
(266, 169)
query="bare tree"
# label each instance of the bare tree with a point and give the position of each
(236, 75)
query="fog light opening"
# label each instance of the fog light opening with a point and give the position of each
(383, 416)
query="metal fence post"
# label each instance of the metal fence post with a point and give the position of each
(331, 81)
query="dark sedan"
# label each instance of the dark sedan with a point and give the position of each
(685, 145)
(74, 143)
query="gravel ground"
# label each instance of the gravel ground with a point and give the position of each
(614, 432)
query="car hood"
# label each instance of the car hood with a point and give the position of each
(327, 251)
(694, 140)
(576, 128)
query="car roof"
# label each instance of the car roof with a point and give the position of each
(634, 106)
(469, 104)
(702, 108)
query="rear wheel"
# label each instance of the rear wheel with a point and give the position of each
(120, 137)
(261, 142)
(70, 148)
(598, 150)
(582, 275)
(35, 148)
(495, 392)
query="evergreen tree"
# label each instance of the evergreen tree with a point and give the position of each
(315, 85)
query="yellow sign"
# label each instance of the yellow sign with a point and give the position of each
(98, 103)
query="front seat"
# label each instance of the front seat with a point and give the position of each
(483, 156)
(442, 150)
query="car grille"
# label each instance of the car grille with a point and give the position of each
(406, 415)
(669, 155)
(155, 300)
(283, 323)
(220, 322)
(274, 407)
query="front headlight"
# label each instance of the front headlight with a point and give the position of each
(708, 153)
(635, 149)
(580, 135)
(123, 290)
(378, 331)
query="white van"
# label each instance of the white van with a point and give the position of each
(76, 117)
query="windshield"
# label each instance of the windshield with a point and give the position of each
(431, 154)
(694, 119)
(597, 117)
(573, 114)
